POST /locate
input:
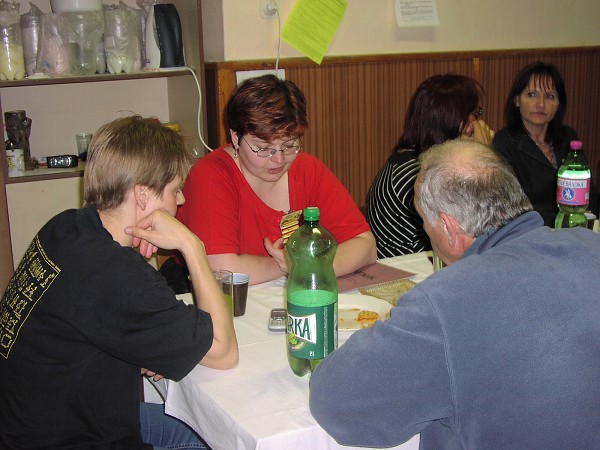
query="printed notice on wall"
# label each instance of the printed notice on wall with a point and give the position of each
(312, 26)
(416, 13)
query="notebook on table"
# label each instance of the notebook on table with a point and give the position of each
(378, 280)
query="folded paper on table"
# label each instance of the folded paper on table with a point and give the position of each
(370, 275)
(390, 291)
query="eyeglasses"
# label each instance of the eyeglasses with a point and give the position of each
(267, 152)
(478, 113)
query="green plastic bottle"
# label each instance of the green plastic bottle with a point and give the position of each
(311, 295)
(573, 189)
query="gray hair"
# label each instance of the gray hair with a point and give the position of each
(470, 182)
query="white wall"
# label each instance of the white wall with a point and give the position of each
(369, 27)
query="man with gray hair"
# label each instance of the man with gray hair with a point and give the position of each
(499, 350)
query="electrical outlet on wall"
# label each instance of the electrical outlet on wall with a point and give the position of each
(243, 75)
(268, 8)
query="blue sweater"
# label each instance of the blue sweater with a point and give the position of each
(500, 350)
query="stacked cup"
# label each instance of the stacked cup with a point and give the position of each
(235, 289)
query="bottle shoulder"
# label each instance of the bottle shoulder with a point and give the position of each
(575, 157)
(575, 165)
(577, 172)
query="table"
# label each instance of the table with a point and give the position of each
(261, 404)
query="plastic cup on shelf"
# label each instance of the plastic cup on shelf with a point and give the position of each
(82, 141)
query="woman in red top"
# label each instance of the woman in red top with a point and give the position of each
(238, 195)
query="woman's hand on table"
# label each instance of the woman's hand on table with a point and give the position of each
(277, 251)
(355, 253)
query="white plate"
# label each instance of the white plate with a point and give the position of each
(350, 305)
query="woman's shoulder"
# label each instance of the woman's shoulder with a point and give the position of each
(217, 159)
(507, 139)
(508, 133)
(402, 156)
(213, 170)
(563, 146)
(307, 165)
(212, 157)
(401, 165)
(308, 159)
(396, 178)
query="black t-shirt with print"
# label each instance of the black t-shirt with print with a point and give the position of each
(79, 318)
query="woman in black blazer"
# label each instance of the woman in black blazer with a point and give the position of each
(535, 142)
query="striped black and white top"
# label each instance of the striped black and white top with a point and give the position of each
(391, 213)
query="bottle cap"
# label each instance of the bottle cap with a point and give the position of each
(576, 145)
(311, 213)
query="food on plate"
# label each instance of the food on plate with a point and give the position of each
(355, 318)
(367, 318)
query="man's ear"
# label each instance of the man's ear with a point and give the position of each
(141, 194)
(452, 229)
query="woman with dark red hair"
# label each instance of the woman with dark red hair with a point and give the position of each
(443, 107)
(242, 198)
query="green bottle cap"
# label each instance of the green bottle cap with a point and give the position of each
(311, 213)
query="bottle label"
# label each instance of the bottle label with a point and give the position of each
(572, 191)
(312, 330)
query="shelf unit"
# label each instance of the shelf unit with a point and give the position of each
(44, 173)
(61, 107)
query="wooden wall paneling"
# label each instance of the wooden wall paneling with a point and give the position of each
(357, 105)
(495, 77)
(220, 83)
(582, 81)
(213, 108)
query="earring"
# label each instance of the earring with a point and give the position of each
(235, 152)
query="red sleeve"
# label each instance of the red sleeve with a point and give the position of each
(313, 184)
(211, 208)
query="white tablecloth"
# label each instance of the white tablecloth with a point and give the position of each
(261, 404)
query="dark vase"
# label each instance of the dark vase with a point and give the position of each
(18, 130)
